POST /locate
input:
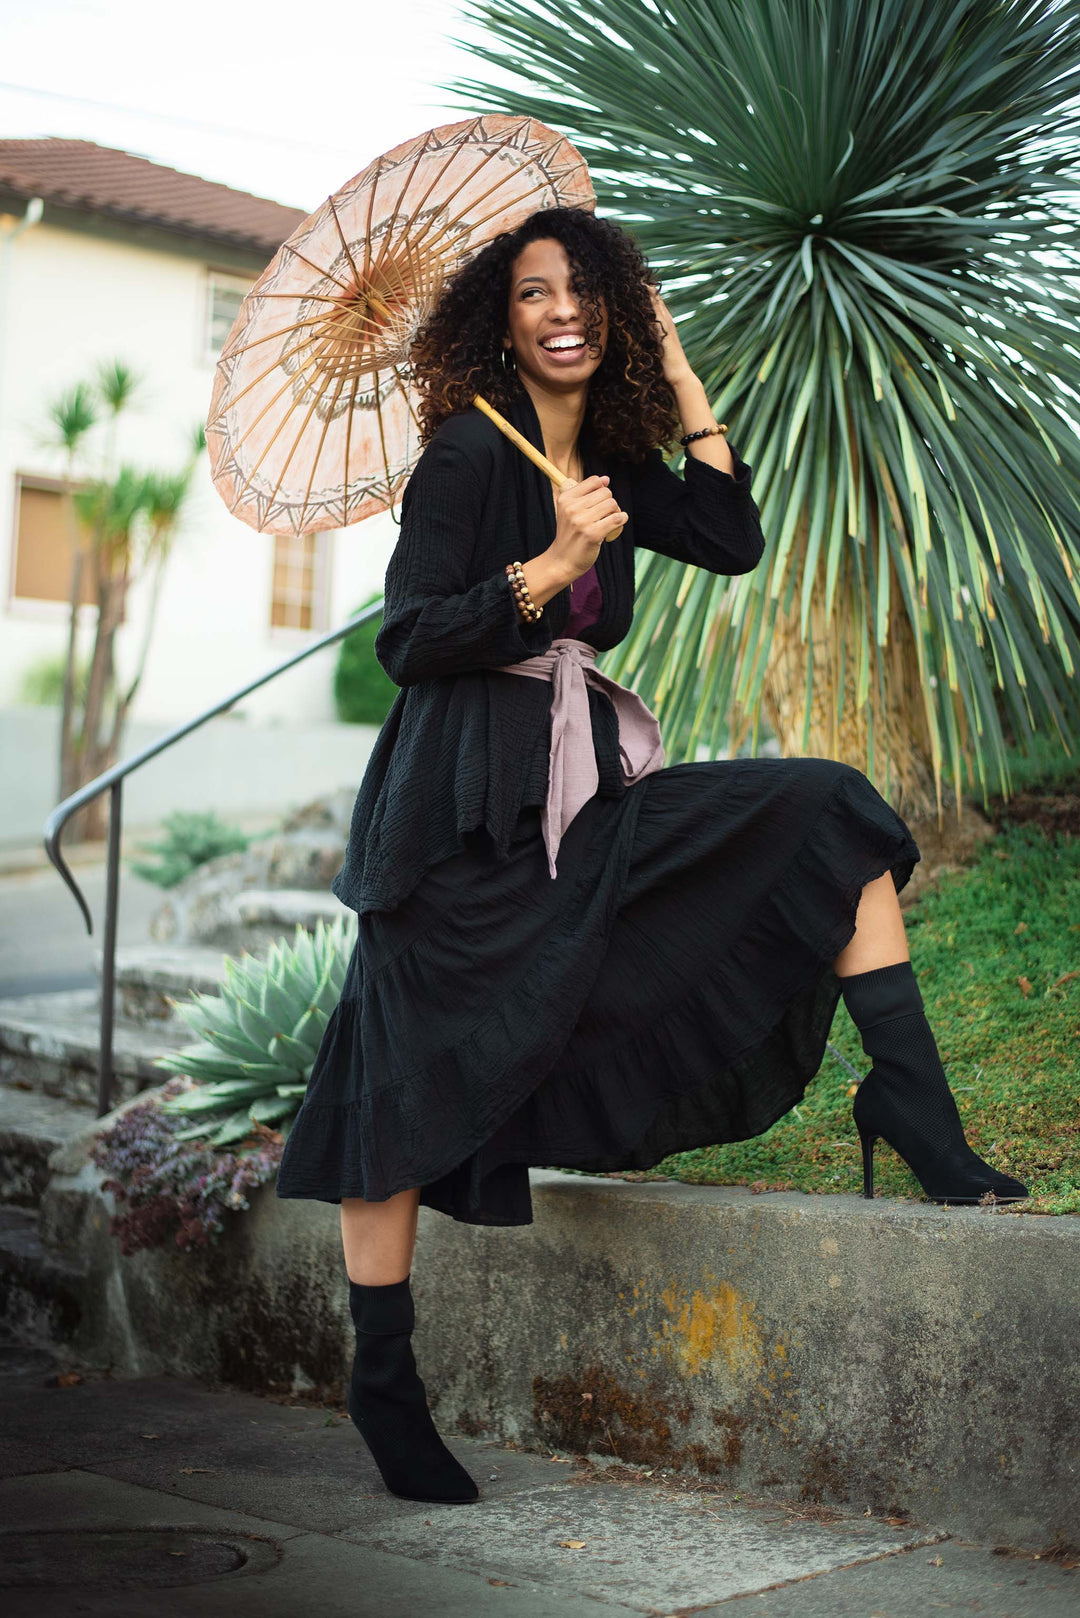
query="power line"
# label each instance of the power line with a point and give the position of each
(179, 123)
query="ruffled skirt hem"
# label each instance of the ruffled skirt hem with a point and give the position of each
(672, 1001)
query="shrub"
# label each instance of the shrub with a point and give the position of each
(42, 682)
(169, 1187)
(258, 1039)
(363, 692)
(190, 840)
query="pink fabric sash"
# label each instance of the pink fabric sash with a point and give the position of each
(573, 776)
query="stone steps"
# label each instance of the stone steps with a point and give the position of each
(32, 1126)
(49, 1056)
(150, 976)
(40, 1293)
(202, 908)
(49, 1043)
(244, 916)
(263, 915)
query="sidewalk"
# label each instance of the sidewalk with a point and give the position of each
(44, 945)
(164, 1498)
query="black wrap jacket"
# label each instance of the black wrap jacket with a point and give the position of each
(464, 745)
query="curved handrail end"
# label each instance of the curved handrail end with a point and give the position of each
(53, 828)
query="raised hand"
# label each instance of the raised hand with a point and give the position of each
(676, 364)
(588, 513)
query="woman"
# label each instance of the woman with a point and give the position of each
(567, 954)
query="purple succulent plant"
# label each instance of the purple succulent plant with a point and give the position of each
(179, 1190)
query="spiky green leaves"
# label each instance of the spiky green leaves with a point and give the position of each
(866, 214)
(259, 1038)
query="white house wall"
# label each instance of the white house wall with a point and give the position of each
(72, 300)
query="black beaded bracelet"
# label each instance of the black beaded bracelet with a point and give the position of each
(706, 432)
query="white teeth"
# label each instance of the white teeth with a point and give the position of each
(565, 342)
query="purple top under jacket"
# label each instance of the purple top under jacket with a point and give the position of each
(586, 600)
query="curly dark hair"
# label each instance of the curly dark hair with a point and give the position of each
(458, 351)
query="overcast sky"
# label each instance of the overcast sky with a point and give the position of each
(285, 100)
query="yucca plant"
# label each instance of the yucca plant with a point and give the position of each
(259, 1037)
(865, 213)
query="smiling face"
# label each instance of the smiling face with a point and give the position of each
(547, 321)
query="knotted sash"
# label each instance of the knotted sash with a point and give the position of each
(573, 777)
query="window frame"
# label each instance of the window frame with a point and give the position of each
(38, 607)
(321, 567)
(207, 352)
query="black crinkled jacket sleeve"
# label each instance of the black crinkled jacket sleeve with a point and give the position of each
(707, 517)
(434, 622)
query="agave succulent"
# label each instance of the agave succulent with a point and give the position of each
(258, 1039)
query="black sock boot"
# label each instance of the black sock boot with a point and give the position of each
(905, 1098)
(387, 1403)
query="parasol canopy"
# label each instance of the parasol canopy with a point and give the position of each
(313, 419)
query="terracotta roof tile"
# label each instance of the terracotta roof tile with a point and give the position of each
(80, 174)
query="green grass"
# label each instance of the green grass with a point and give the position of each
(997, 951)
(1042, 767)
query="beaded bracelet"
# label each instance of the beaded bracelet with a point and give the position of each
(706, 432)
(525, 605)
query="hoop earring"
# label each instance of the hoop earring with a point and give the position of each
(509, 360)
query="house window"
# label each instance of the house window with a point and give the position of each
(225, 294)
(299, 592)
(44, 538)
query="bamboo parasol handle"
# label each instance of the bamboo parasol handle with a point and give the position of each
(560, 479)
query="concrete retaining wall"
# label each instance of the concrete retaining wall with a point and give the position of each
(884, 1354)
(896, 1356)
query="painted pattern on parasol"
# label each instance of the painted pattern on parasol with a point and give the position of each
(313, 418)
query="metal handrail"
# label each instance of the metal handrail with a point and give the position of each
(112, 781)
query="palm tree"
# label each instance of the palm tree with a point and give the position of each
(70, 418)
(116, 385)
(866, 210)
(164, 497)
(132, 519)
(124, 523)
(110, 510)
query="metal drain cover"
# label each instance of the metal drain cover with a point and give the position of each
(138, 1558)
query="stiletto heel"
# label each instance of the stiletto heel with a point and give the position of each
(387, 1402)
(867, 1163)
(905, 1098)
(949, 1172)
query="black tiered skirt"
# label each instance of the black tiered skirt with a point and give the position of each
(671, 988)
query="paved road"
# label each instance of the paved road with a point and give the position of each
(43, 940)
(163, 1499)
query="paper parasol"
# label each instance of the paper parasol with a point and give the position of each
(313, 420)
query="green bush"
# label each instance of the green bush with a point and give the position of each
(189, 841)
(42, 682)
(363, 691)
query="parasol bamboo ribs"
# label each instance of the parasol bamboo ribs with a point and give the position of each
(362, 274)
